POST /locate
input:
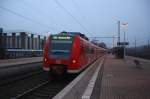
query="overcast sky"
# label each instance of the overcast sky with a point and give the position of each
(91, 17)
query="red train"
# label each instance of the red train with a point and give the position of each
(69, 52)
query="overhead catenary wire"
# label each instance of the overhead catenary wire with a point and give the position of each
(37, 10)
(61, 6)
(27, 18)
(78, 9)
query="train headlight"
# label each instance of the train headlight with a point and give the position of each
(73, 61)
(45, 59)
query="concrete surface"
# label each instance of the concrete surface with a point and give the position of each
(123, 80)
(18, 61)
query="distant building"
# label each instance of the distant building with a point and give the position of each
(22, 40)
(20, 44)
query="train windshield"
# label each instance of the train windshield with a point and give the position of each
(60, 49)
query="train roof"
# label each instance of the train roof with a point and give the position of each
(64, 33)
(74, 34)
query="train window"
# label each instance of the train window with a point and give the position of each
(91, 50)
(60, 49)
(87, 49)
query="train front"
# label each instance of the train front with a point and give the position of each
(57, 54)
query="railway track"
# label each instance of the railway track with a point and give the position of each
(15, 78)
(28, 81)
(35, 86)
(11, 88)
(46, 90)
(16, 70)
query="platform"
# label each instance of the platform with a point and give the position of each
(140, 59)
(18, 61)
(122, 79)
(12, 67)
(111, 79)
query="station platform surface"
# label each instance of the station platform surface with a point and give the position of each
(114, 79)
(123, 79)
(140, 59)
(18, 61)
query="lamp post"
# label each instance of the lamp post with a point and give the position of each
(114, 37)
(124, 25)
(118, 31)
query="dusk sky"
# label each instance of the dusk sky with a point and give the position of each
(91, 17)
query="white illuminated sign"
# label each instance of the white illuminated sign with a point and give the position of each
(62, 37)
